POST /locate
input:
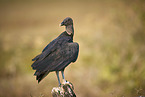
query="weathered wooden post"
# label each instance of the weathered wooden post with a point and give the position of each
(65, 90)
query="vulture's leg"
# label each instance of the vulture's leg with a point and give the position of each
(63, 76)
(65, 81)
(57, 73)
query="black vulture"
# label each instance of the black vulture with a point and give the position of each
(58, 54)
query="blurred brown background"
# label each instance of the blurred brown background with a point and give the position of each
(111, 35)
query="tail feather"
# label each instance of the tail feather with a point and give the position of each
(40, 76)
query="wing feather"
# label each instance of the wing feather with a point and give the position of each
(59, 59)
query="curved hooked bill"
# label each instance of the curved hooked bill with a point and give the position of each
(61, 24)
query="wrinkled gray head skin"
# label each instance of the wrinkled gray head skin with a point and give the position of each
(67, 21)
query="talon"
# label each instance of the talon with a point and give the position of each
(59, 85)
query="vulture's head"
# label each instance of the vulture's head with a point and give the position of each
(67, 21)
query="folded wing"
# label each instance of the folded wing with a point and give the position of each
(55, 57)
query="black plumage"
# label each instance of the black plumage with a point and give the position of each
(57, 54)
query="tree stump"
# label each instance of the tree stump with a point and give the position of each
(65, 90)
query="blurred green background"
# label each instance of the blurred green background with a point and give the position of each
(111, 35)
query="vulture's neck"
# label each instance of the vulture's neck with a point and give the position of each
(70, 29)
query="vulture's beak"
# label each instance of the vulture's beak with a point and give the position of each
(62, 24)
